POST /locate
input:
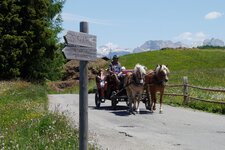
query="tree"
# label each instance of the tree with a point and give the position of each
(29, 47)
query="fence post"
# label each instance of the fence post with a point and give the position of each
(185, 90)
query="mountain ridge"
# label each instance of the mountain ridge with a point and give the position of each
(110, 49)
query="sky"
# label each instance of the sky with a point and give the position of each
(129, 23)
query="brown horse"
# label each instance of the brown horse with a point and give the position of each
(134, 85)
(155, 82)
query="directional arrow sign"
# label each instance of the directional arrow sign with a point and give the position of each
(80, 53)
(80, 39)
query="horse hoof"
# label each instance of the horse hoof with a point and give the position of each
(148, 108)
(160, 111)
(138, 110)
(131, 112)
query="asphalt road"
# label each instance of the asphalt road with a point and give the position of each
(175, 129)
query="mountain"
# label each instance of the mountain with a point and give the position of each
(110, 49)
(213, 42)
(157, 45)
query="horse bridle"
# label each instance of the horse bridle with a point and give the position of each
(158, 80)
(138, 79)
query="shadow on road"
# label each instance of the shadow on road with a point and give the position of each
(109, 108)
(120, 110)
(127, 113)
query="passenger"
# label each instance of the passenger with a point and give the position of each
(114, 66)
(123, 72)
(101, 83)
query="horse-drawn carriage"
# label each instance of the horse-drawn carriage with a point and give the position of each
(131, 87)
(111, 87)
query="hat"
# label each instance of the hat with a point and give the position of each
(115, 57)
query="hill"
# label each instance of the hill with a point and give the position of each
(187, 59)
(203, 67)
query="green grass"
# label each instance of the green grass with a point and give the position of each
(177, 59)
(204, 68)
(27, 124)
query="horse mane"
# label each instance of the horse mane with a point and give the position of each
(162, 67)
(139, 67)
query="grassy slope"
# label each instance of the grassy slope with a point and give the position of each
(204, 68)
(178, 59)
(198, 65)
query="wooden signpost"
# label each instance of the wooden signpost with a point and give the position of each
(81, 39)
(81, 46)
(80, 53)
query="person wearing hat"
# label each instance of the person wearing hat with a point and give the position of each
(114, 66)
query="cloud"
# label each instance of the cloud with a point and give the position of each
(185, 36)
(213, 15)
(199, 36)
(77, 18)
(192, 39)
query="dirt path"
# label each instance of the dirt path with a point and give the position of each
(175, 129)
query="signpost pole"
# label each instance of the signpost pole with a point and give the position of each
(83, 99)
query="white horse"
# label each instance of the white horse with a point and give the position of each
(134, 85)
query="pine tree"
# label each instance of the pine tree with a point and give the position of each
(28, 38)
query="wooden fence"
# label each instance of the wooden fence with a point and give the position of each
(188, 97)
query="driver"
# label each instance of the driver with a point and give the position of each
(114, 66)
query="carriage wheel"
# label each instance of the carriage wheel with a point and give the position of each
(97, 99)
(113, 103)
(127, 102)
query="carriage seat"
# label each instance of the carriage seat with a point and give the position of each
(124, 72)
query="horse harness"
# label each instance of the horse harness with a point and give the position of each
(156, 81)
(135, 81)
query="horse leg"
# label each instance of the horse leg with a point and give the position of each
(130, 103)
(160, 106)
(154, 102)
(148, 97)
(135, 102)
(153, 97)
(138, 101)
(130, 99)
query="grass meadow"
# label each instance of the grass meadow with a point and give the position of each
(27, 124)
(204, 68)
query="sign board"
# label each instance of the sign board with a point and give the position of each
(73, 38)
(80, 53)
